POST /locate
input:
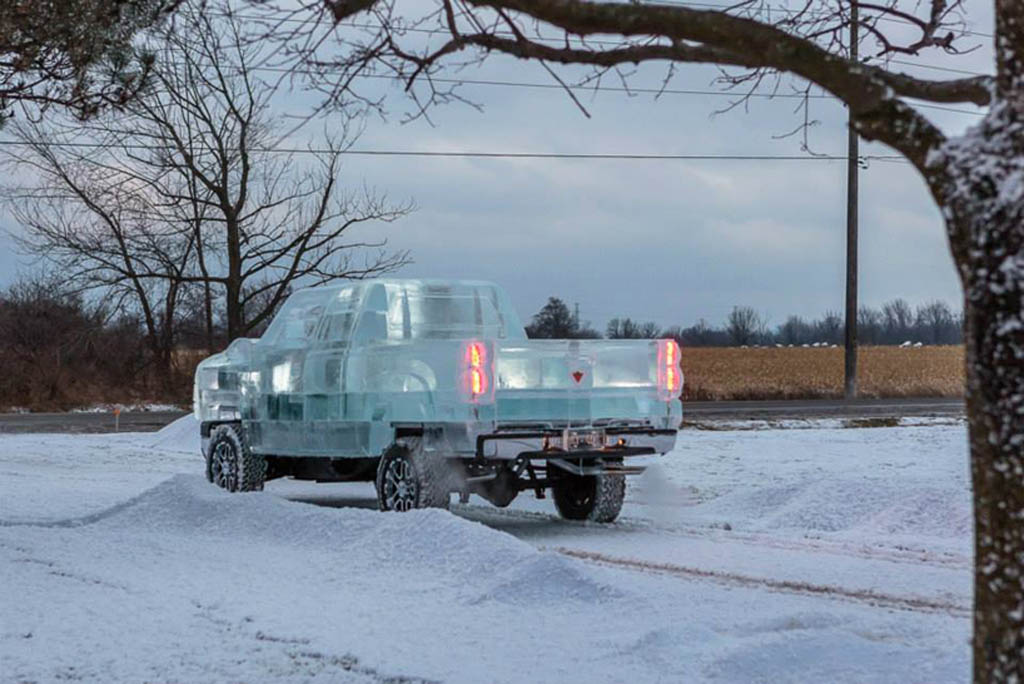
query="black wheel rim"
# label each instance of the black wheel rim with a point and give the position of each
(401, 488)
(224, 466)
(580, 492)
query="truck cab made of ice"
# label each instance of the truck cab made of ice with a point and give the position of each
(431, 387)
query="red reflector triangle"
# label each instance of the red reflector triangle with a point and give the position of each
(577, 376)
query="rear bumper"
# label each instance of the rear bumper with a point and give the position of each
(610, 442)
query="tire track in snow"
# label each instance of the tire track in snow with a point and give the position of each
(712, 533)
(78, 521)
(892, 554)
(863, 596)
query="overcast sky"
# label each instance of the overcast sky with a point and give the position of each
(668, 241)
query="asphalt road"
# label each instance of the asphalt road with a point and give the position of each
(142, 421)
(822, 408)
(694, 411)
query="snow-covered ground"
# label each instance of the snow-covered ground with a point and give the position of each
(812, 555)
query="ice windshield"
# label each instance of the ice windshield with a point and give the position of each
(298, 319)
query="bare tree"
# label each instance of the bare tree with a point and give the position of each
(974, 178)
(628, 329)
(99, 234)
(869, 325)
(795, 331)
(830, 328)
(184, 189)
(898, 320)
(701, 334)
(937, 323)
(743, 325)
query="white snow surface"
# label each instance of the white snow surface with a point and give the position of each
(839, 555)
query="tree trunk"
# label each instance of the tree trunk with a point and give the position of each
(208, 315)
(233, 296)
(235, 313)
(978, 180)
(166, 362)
(995, 410)
(987, 236)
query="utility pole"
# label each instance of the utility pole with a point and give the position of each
(853, 162)
(576, 316)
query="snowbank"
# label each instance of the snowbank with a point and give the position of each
(181, 436)
(192, 561)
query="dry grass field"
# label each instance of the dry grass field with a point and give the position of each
(801, 372)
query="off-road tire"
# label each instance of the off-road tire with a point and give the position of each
(229, 462)
(597, 498)
(427, 473)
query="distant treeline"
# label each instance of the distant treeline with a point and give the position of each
(896, 322)
(60, 349)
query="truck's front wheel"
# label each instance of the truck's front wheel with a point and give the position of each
(230, 464)
(408, 478)
(589, 497)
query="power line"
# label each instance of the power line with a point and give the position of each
(932, 67)
(599, 88)
(653, 91)
(608, 156)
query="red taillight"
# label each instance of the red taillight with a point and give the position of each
(670, 375)
(477, 373)
(476, 354)
(477, 382)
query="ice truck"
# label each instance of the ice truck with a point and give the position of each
(429, 388)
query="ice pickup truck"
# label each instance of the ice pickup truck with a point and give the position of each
(430, 388)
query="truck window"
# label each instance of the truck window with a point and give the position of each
(438, 312)
(342, 310)
(298, 319)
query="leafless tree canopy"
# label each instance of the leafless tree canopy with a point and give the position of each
(753, 41)
(628, 329)
(183, 195)
(743, 325)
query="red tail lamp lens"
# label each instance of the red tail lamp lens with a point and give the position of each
(477, 381)
(476, 355)
(670, 378)
(477, 374)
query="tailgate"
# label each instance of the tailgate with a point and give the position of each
(587, 382)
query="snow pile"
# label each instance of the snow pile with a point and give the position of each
(512, 570)
(869, 507)
(142, 590)
(187, 504)
(876, 484)
(181, 436)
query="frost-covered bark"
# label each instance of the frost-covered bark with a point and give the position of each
(979, 179)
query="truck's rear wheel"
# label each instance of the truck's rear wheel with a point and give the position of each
(408, 478)
(230, 464)
(589, 497)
